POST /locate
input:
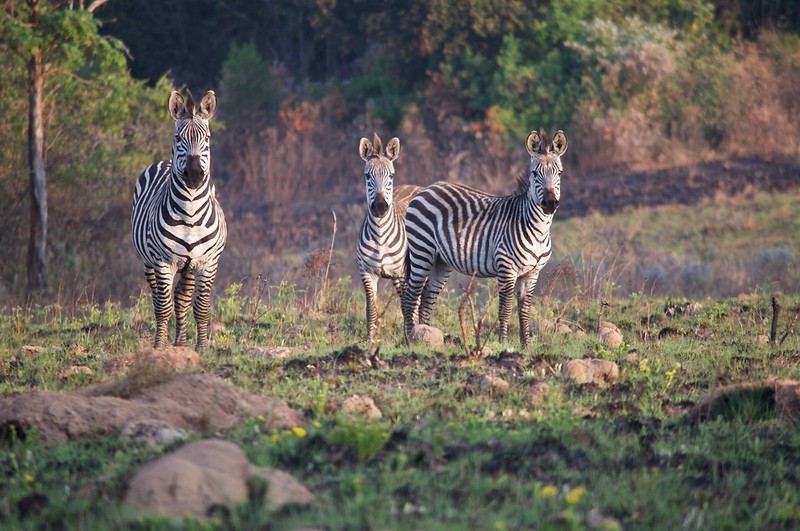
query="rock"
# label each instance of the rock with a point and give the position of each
(486, 352)
(216, 328)
(494, 385)
(563, 329)
(787, 398)
(168, 359)
(539, 394)
(610, 335)
(595, 371)
(151, 433)
(74, 370)
(201, 402)
(545, 326)
(428, 335)
(597, 520)
(283, 489)
(277, 353)
(29, 350)
(763, 339)
(361, 406)
(191, 481)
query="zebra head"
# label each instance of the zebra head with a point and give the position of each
(191, 149)
(379, 172)
(544, 180)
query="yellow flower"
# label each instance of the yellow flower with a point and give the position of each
(28, 479)
(548, 491)
(275, 438)
(260, 419)
(300, 432)
(576, 494)
(316, 424)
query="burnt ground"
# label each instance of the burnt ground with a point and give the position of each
(613, 190)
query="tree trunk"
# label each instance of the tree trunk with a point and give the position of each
(37, 243)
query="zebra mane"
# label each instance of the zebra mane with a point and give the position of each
(523, 184)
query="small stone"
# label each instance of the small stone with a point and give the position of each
(563, 328)
(763, 339)
(596, 371)
(216, 328)
(597, 520)
(494, 385)
(151, 433)
(539, 394)
(283, 489)
(74, 370)
(610, 335)
(277, 353)
(486, 351)
(361, 406)
(29, 350)
(430, 336)
(545, 325)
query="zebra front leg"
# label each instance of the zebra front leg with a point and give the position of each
(370, 284)
(183, 299)
(202, 306)
(507, 283)
(162, 301)
(525, 296)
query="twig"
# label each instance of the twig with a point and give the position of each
(324, 288)
(603, 305)
(461, 308)
(776, 310)
(261, 283)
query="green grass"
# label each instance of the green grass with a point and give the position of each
(445, 454)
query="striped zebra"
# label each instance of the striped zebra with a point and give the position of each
(177, 223)
(381, 248)
(451, 226)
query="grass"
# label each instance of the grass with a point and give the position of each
(446, 454)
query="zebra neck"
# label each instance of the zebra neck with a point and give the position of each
(380, 228)
(534, 218)
(189, 200)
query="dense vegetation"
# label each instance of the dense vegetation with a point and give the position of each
(461, 83)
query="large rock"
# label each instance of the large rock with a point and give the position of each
(539, 394)
(591, 370)
(494, 385)
(428, 335)
(200, 402)
(191, 481)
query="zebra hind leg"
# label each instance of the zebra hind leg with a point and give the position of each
(507, 284)
(183, 299)
(419, 268)
(525, 299)
(202, 306)
(433, 287)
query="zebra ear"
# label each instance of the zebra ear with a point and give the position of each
(560, 143)
(208, 105)
(176, 105)
(393, 149)
(534, 144)
(365, 149)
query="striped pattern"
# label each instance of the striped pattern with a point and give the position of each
(451, 226)
(381, 247)
(178, 225)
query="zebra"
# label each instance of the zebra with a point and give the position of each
(452, 226)
(381, 247)
(178, 225)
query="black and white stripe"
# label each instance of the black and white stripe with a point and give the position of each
(178, 225)
(451, 226)
(381, 248)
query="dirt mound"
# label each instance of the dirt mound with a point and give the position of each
(750, 400)
(199, 402)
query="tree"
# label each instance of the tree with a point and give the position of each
(46, 35)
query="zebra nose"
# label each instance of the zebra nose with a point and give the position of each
(550, 203)
(194, 171)
(379, 207)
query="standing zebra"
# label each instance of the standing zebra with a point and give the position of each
(381, 249)
(451, 226)
(177, 223)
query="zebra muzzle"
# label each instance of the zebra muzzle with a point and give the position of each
(550, 202)
(194, 174)
(379, 207)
